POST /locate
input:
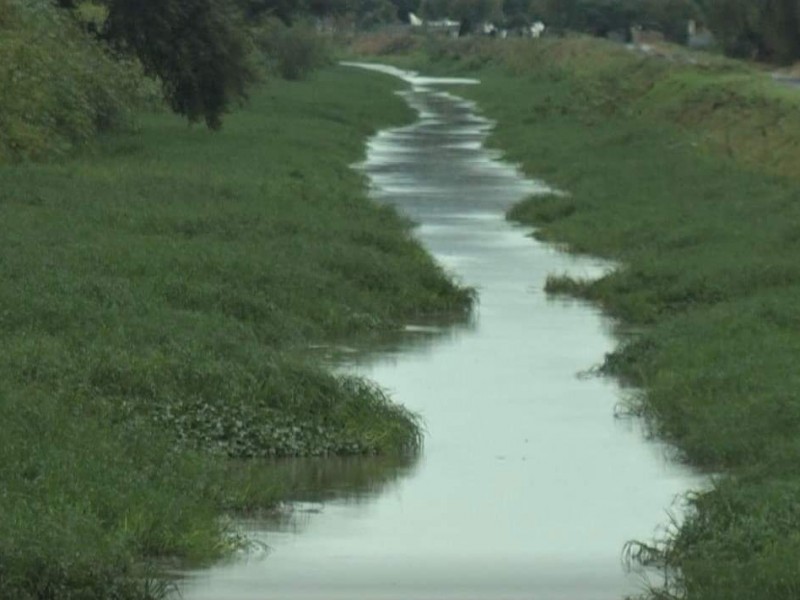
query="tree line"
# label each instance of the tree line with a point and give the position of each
(765, 30)
(204, 53)
(202, 50)
(197, 49)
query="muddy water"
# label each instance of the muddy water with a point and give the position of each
(528, 487)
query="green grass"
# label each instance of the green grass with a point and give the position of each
(686, 175)
(161, 295)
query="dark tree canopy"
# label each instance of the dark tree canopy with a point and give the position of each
(404, 7)
(601, 17)
(196, 47)
(285, 10)
(768, 29)
(327, 8)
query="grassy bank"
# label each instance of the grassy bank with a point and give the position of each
(687, 175)
(161, 295)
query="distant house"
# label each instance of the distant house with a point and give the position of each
(645, 37)
(414, 20)
(699, 36)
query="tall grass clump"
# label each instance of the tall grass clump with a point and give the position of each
(83, 502)
(682, 169)
(58, 87)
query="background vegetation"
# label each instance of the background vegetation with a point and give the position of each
(71, 69)
(686, 175)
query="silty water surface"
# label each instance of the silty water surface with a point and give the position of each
(527, 488)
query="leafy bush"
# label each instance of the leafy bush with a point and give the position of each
(291, 52)
(58, 87)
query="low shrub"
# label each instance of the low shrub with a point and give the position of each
(291, 52)
(58, 86)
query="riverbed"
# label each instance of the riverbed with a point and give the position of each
(527, 486)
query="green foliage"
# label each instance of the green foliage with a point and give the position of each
(285, 10)
(543, 209)
(329, 8)
(58, 87)
(767, 30)
(163, 297)
(373, 13)
(82, 501)
(291, 52)
(671, 17)
(519, 13)
(197, 48)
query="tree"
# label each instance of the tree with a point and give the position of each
(369, 13)
(404, 7)
(478, 11)
(329, 8)
(766, 30)
(197, 48)
(518, 13)
(435, 9)
(780, 31)
(601, 17)
(285, 10)
(671, 17)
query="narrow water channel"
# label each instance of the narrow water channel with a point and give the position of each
(528, 487)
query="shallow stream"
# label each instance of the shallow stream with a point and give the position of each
(528, 487)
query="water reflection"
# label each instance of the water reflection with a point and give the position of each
(311, 483)
(353, 479)
(421, 336)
